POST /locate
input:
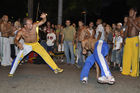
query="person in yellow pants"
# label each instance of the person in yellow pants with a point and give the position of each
(130, 57)
(36, 47)
(30, 35)
(131, 47)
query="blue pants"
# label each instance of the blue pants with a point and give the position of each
(80, 55)
(100, 51)
(69, 51)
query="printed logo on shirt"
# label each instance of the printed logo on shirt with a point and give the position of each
(137, 44)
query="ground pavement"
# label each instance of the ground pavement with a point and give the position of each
(33, 78)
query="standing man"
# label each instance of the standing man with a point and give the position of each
(82, 34)
(91, 29)
(29, 34)
(5, 29)
(130, 56)
(99, 30)
(69, 37)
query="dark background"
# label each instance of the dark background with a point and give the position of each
(111, 11)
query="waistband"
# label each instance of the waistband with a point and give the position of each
(31, 43)
(4, 37)
(132, 37)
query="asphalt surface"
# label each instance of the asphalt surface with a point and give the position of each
(33, 78)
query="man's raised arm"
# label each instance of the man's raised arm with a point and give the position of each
(43, 16)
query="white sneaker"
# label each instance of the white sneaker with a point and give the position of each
(106, 80)
(120, 69)
(85, 80)
(62, 60)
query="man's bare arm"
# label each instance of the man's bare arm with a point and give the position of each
(43, 16)
(125, 35)
(84, 51)
(99, 35)
(17, 38)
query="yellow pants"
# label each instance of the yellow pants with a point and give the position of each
(28, 47)
(130, 57)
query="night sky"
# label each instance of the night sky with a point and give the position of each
(109, 10)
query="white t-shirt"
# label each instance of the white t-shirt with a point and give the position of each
(100, 28)
(50, 38)
(117, 42)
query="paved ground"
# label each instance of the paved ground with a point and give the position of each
(33, 78)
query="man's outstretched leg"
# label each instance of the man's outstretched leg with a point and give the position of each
(27, 49)
(85, 71)
(46, 57)
(100, 51)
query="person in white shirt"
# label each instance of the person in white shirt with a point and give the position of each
(51, 37)
(116, 52)
(99, 30)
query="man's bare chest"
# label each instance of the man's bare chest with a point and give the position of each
(29, 34)
(5, 27)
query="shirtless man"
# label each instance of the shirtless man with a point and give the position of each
(99, 51)
(81, 35)
(91, 29)
(130, 56)
(5, 29)
(29, 34)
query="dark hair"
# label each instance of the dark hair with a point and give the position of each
(134, 8)
(25, 20)
(80, 21)
(100, 19)
(68, 20)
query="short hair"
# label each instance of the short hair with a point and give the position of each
(117, 30)
(67, 20)
(25, 20)
(100, 20)
(81, 21)
(91, 22)
(134, 8)
(4, 16)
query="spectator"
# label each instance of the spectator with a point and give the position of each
(108, 39)
(99, 30)
(116, 52)
(69, 34)
(51, 37)
(91, 29)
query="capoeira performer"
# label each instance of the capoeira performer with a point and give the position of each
(88, 47)
(99, 53)
(5, 29)
(29, 34)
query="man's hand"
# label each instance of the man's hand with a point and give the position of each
(43, 15)
(20, 46)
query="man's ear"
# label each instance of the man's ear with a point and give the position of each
(24, 25)
(135, 13)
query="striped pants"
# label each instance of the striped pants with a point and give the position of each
(100, 51)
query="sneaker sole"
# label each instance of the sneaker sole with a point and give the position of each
(109, 83)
